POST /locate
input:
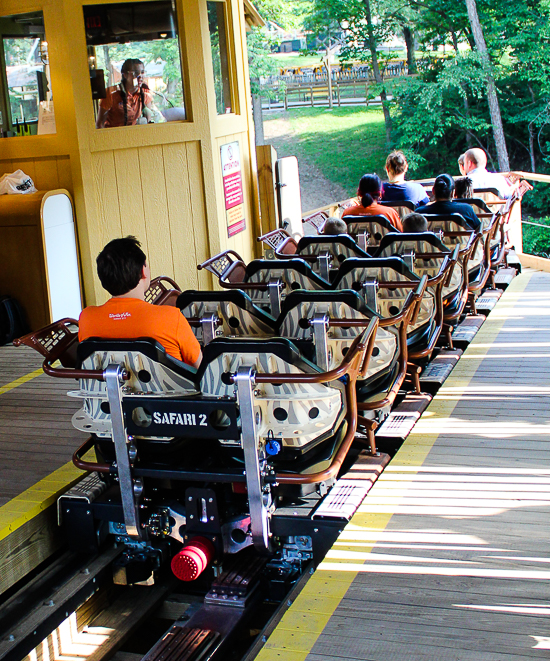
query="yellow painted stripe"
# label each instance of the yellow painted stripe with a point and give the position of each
(20, 381)
(35, 500)
(303, 623)
(44, 493)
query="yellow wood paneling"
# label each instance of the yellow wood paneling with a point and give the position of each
(198, 212)
(155, 205)
(130, 195)
(107, 224)
(45, 172)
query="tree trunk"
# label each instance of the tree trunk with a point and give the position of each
(466, 104)
(409, 43)
(491, 90)
(258, 118)
(376, 70)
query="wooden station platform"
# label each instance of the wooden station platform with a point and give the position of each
(448, 558)
(37, 441)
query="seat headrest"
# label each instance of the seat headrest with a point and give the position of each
(346, 296)
(395, 263)
(235, 296)
(397, 237)
(279, 346)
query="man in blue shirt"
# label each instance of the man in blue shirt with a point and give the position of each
(442, 190)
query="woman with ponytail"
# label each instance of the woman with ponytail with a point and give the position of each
(369, 191)
(126, 102)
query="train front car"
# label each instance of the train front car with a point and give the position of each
(193, 467)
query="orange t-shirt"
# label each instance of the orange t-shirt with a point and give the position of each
(130, 318)
(376, 209)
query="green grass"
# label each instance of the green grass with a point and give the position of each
(344, 143)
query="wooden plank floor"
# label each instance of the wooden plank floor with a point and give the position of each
(36, 435)
(448, 558)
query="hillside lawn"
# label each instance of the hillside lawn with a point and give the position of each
(343, 143)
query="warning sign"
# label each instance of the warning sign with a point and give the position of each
(233, 188)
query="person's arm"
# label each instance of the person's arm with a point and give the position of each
(101, 117)
(198, 361)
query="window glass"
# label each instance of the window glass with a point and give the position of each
(135, 63)
(27, 103)
(220, 62)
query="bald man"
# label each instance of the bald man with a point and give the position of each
(475, 167)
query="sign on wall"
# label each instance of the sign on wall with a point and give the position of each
(233, 188)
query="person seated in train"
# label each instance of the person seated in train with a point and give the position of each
(125, 103)
(475, 166)
(443, 203)
(464, 189)
(461, 165)
(415, 222)
(335, 226)
(396, 189)
(123, 271)
(369, 191)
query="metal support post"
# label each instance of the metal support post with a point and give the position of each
(113, 376)
(370, 287)
(259, 516)
(274, 291)
(320, 330)
(208, 325)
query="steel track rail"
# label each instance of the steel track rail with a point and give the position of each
(39, 620)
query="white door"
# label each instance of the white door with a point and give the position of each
(288, 193)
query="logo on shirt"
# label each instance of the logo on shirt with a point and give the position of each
(119, 316)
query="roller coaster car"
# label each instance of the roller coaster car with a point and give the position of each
(374, 228)
(424, 252)
(385, 284)
(322, 324)
(267, 281)
(203, 458)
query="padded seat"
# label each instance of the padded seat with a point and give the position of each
(151, 372)
(300, 308)
(298, 415)
(376, 226)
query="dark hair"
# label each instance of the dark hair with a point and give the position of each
(120, 265)
(464, 188)
(415, 222)
(444, 186)
(396, 163)
(126, 66)
(335, 226)
(369, 189)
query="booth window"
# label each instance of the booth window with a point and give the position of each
(220, 60)
(26, 104)
(135, 63)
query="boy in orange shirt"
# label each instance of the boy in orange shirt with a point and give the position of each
(123, 271)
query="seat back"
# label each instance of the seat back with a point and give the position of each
(303, 309)
(150, 369)
(298, 415)
(403, 207)
(340, 247)
(456, 231)
(388, 272)
(229, 313)
(428, 251)
(292, 273)
(376, 226)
